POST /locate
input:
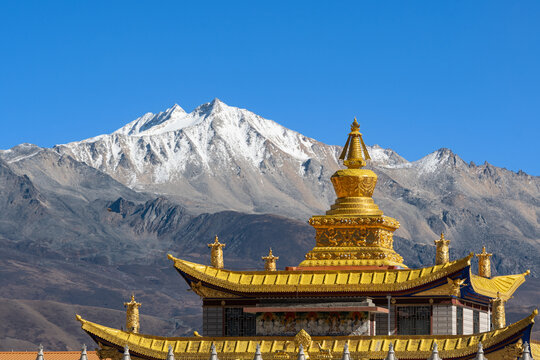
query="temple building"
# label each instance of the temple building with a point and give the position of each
(351, 294)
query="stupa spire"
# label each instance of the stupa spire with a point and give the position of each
(354, 232)
(352, 151)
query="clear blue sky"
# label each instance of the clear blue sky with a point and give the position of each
(419, 75)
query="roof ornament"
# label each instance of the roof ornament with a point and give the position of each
(40, 353)
(391, 354)
(84, 356)
(270, 261)
(526, 352)
(216, 254)
(126, 355)
(213, 352)
(258, 355)
(170, 354)
(480, 353)
(346, 354)
(442, 255)
(435, 353)
(301, 355)
(498, 315)
(484, 263)
(352, 151)
(132, 315)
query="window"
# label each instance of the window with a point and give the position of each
(413, 320)
(239, 324)
(476, 321)
(459, 320)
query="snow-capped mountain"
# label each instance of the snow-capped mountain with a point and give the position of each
(216, 157)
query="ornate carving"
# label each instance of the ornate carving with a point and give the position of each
(216, 255)
(270, 261)
(107, 352)
(498, 315)
(513, 351)
(442, 256)
(484, 263)
(205, 292)
(132, 315)
(455, 286)
(303, 338)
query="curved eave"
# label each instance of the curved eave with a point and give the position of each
(317, 281)
(406, 346)
(505, 285)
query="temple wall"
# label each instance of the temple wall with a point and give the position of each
(316, 324)
(484, 321)
(381, 323)
(444, 320)
(212, 321)
(467, 321)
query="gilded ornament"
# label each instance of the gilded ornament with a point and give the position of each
(270, 261)
(498, 315)
(455, 286)
(484, 263)
(442, 255)
(303, 338)
(132, 315)
(513, 351)
(216, 254)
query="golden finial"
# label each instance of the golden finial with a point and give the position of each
(270, 261)
(442, 254)
(132, 315)
(484, 263)
(216, 254)
(352, 151)
(498, 314)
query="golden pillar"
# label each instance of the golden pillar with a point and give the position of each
(442, 256)
(132, 315)
(498, 316)
(216, 255)
(270, 261)
(484, 263)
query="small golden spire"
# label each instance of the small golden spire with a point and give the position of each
(484, 263)
(270, 261)
(442, 255)
(216, 254)
(353, 149)
(132, 315)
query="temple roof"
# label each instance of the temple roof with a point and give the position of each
(371, 281)
(332, 281)
(505, 285)
(406, 346)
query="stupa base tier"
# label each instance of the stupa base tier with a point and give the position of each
(352, 256)
(355, 206)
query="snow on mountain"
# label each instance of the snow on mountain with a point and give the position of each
(215, 153)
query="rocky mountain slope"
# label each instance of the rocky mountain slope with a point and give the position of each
(84, 224)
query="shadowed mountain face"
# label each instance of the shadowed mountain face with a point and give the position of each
(85, 224)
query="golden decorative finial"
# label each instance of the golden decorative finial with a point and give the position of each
(484, 263)
(132, 315)
(498, 316)
(216, 255)
(442, 255)
(270, 261)
(353, 149)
